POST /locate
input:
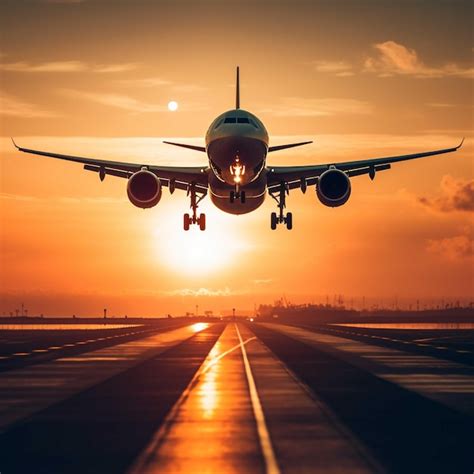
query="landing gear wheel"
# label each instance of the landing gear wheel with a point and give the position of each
(202, 222)
(242, 197)
(274, 220)
(289, 221)
(186, 221)
(232, 197)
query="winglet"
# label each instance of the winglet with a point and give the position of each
(237, 90)
(15, 145)
(460, 145)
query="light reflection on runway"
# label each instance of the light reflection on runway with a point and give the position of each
(212, 427)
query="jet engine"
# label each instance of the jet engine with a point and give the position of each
(144, 189)
(333, 188)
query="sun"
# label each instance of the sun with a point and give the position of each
(172, 105)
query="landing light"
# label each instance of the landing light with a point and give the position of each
(237, 170)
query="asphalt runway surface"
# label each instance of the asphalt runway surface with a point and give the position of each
(226, 397)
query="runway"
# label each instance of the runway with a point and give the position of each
(236, 397)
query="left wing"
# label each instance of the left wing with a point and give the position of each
(293, 176)
(181, 176)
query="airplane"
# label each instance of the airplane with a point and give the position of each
(237, 176)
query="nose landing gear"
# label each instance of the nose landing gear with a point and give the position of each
(240, 195)
(281, 218)
(194, 219)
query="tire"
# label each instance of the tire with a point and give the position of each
(289, 221)
(273, 220)
(202, 222)
(242, 197)
(232, 197)
(186, 221)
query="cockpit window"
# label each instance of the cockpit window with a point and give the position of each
(218, 124)
(242, 120)
(253, 123)
(230, 120)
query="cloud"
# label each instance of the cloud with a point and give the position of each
(145, 82)
(302, 107)
(395, 59)
(262, 281)
(65, 2)
(339, 68)
(456, 195)
(111, 68)
(12, 106)
(160, 82)
(453, 248)
(126, 102)
(119, 101)
(200, 292)
(65, 66)
(440, 105)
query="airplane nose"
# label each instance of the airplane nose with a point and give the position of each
(237, 158)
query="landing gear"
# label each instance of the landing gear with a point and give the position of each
(240, 195)
(274, 220)
(195, 200)
(187, 222)
(280, 218)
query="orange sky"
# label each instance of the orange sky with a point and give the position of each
(361, 79)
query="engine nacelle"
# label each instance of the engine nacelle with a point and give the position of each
(333, 188)
(144, 189)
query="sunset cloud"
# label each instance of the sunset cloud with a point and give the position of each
(339, 68)
(65, 66)
(200, 292)
(155, 82)
(453, 248)
(396, 59)
(14, 107)
(303, 107)
(262, 281)
(119, 101)
(456, 195)
(65, 2)
(145, 82)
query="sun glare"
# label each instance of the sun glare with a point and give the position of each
(197, 327)
(172, 105)
(196, 252)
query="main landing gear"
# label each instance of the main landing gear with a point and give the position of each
(194, 219)
(281, 218)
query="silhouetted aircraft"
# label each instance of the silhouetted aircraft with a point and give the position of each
(237, 177)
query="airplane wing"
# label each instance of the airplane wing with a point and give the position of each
(181, 176)
(294, 176)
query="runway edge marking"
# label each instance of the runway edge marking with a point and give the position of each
(262, 429)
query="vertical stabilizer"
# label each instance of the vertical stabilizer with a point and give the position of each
(237, 91)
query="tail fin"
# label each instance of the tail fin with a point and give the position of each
(237, 91)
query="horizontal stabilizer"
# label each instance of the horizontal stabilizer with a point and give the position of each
(289, 145)
(184, 145)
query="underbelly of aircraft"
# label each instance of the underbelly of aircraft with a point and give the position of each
(254, 196)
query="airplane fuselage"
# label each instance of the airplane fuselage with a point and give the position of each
(237, 146)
